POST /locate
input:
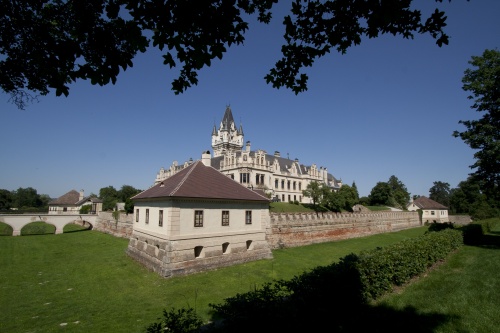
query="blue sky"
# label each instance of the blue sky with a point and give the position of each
(387, 107)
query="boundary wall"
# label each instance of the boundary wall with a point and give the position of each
(122, 227)
(299, 229)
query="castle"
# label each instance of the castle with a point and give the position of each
(281, 178)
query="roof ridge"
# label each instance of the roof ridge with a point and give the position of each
(183, 179)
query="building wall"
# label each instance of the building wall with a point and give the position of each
(438, 215)
(180, 248)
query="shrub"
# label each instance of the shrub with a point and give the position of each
(177, 321)
(85, 209)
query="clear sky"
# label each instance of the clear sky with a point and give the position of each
(387, 107)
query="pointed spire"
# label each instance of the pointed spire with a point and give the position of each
(214, 131)
(240, 130)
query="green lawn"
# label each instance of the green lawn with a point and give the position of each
(84, 282)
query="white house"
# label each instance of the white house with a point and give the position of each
(71, 202)
(198, 219)
(432, 211)
(283, 178)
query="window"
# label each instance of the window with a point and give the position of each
(225, 217)
(147, 216)
(432, 212)
(137, 215)
(288, 184)
(259, 178)
(276, 183)
(160, 218)
(300, 186)
(65, 209)
(244, 178)
(248, 217)
(226, 248)
(294, 185)
(198, 218)
(198, 252)
(282, 184)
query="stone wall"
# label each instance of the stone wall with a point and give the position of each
(460, 219)
(122, 227)
(298, 229)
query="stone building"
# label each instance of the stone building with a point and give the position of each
(198, 219)
(283, 179)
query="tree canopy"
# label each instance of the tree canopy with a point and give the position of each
(440, 192)
(483, 83)
(46, 45)
(392, 193)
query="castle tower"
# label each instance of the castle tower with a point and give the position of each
(227, 137)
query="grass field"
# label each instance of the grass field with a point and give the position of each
(84, 282)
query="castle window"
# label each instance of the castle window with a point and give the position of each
(198, 218)
(225, 217)
(147, 216)
(245, 158)
(244, 178)
(288, 184)
(294, 186)
(248, 217)
(283, 184)
(160, 218)
(300, 186)
(137, 215)
(276, 183)
(259, 178)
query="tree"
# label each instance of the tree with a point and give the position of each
(399, 192)
(468, 198)
(6, 199)
(440, 192)
(109, 196)
(483, 134)
(26, 198)
(381, 194)
(314, 191)
(49, 44)
(125, 193)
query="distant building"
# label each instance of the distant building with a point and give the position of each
(432, 211)
(71, 202)
(283, 179)
(198, 219)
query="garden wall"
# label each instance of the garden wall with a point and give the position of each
(298, 229)
(460, 219)
(122, 227)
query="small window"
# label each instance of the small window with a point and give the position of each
(248, 217)
(160, 218)
(137, 215)
(225, 217)
(198, 252)
(198, 218)
(249, 245)
(226, 248)
(276, 182)
(432, 212)
(147, 216)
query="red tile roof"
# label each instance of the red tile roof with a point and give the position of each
(200, 181)
(426, 203)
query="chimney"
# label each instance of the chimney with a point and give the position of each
(248, 146)
(277, 153)
(205, 158)
(81, 195)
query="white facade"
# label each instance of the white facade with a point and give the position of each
(282, 178)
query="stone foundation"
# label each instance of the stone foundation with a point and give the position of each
(191, 255)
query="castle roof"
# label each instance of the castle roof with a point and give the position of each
(203, 182)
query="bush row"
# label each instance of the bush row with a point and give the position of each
(334, 294)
